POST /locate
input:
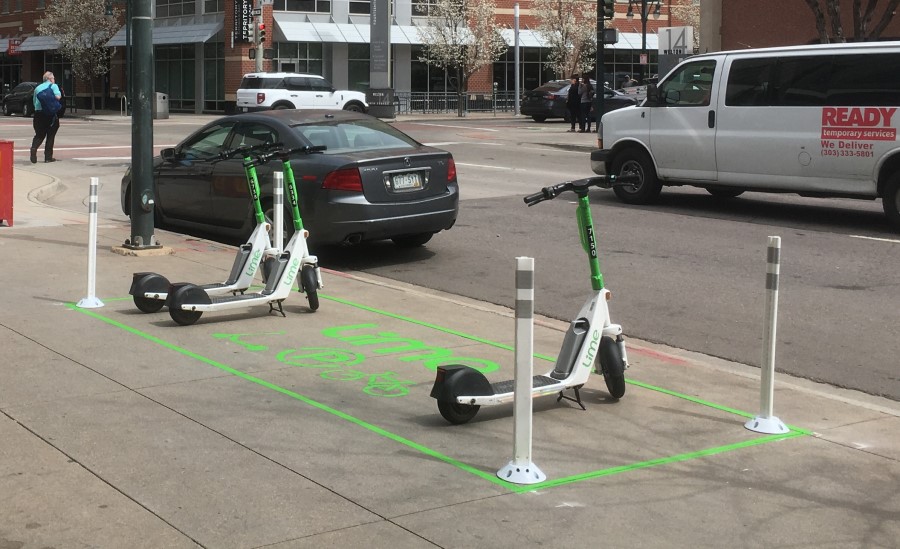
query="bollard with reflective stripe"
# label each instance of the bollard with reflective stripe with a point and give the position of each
(521, 470)
(766, 422)
(91, 302)
(278, 213)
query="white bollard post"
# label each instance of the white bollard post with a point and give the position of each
(766, 422)
(278, 215)
(91, 302)
(521, 470)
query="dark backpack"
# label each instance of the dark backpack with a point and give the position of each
(50, 105)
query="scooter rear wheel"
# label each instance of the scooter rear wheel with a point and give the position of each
(147, 304)
(457, 413)
(612, 366)
(310, 284)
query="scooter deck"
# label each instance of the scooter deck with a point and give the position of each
(537, 381)
(214, 288)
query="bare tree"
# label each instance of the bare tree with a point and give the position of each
(829, 11)
(568, 27)
(461, 37)
(688, 12)
(82, 29)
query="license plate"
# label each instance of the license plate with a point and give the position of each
(406, 181)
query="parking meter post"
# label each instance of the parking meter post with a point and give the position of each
(142, 196)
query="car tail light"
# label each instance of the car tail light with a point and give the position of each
(347, 179)
(260, 98)
(451, 170)
(549, 97)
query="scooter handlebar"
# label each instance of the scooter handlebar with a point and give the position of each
(245, 150)
(581, 185)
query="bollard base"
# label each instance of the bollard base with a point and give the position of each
(518, 473)
(768, 425)
(89, 303)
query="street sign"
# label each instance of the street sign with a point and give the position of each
(257, 11)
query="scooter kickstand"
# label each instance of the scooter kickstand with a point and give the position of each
(576, 400)
(272, 307)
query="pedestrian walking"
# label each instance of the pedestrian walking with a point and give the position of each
(573, 102)
(46, 121)
(586, 93)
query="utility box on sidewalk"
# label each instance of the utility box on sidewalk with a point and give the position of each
(6, 182)
(161, 106)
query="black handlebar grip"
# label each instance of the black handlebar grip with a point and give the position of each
(533, 199)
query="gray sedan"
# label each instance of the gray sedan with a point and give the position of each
(373, 182)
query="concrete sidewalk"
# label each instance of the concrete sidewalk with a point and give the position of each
(248, 429)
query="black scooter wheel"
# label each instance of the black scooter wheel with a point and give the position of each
(612, 367)
(457, 413)
(181, 296)
(310, 284)
(148, 304)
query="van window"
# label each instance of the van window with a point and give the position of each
(748, 82)
(690, 86)
(865, 80)
(801, 81)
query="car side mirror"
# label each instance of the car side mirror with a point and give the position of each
(169, 154)
(652, 95)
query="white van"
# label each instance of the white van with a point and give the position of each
(813, 120)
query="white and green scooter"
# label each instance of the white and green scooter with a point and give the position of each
(591, 342)
(149, 290)
(187, 302)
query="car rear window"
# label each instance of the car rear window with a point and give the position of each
(552, 86)
(356, 135)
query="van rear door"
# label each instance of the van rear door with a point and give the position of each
(683, 123)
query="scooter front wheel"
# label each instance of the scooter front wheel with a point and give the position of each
(309, 283)
(457, 413)
(612, 366)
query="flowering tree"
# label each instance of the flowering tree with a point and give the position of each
(568, 27)
(828, 13)
(82, 29)
(688, 13)
(461, 37)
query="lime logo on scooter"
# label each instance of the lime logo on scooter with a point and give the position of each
(592, 350)
(254, 263)
(292, 272)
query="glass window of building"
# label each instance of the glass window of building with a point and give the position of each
(175, 75)
(305, 57)
(314, 6)
(213, 6)
(174, 8)
(363, 7)
(358, 66)
(214, 76)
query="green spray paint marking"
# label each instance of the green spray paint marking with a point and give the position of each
(490, 477)
(550, 359)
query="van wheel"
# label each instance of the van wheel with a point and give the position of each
(636, 162)
(720, 192)
(890, 201)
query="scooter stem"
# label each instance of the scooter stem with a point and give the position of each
(588, 242)
(292, 195)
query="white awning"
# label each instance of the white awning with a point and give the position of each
(328, 32)
(529, 38)
(174, 34)
(39, 43)
(340, 33)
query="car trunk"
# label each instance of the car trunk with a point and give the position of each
(404, 177)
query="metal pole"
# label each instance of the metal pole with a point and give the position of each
(644, 15)
(278, 214)
(259, 43)
(142, 197)
(516, 58)
(601, 70)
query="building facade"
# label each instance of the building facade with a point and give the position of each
(200, 55)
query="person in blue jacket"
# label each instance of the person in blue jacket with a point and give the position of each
(45, 125)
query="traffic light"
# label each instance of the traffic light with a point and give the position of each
(609, 9)
(261, 33)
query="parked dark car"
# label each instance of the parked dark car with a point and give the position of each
(21, 99)
(373, 182)
(549, 101)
